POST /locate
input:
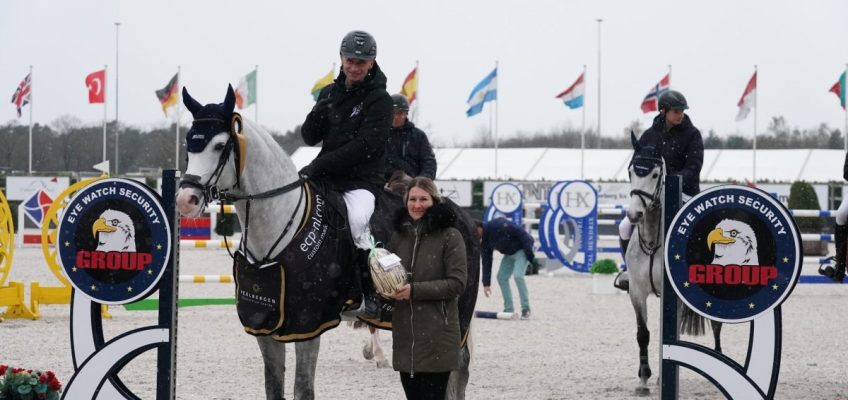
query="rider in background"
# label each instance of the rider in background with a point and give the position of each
(840, 235)
(352, 118)
(407, 147)
(682, 150)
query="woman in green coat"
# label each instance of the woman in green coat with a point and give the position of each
(425, 323)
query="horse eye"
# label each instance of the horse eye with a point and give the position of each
(219, 147)
(656, 175)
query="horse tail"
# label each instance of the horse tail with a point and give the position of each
(691, 323)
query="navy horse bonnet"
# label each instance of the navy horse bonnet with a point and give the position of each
(645, 160)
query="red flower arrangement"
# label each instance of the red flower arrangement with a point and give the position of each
(26, 384)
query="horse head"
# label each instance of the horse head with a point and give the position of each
(647, 173)
(216, 150)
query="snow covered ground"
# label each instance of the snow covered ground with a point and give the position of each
(576, 346)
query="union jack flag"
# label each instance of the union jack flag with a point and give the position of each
(22, 94)
(650, 102)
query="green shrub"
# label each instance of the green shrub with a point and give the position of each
(803, 197)
(604, 266)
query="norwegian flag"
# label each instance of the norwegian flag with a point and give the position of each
(22, 94)
(650, 102)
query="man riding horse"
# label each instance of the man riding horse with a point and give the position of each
(683, 152)
(352, 119)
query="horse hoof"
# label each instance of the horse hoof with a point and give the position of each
(367, 353)
(383, 364)
(642, 391)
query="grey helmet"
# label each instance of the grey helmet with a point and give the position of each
(399, 102)
(360, 45)
(672, 100)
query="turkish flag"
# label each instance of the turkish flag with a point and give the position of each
(96, 82)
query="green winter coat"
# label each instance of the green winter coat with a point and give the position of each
(425, 329)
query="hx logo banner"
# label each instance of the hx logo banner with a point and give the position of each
(568, 227)
(506, 201)
(114, 241)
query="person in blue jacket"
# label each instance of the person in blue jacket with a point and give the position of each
(517, 247)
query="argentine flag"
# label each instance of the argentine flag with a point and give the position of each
(486, 90)
(573, 96)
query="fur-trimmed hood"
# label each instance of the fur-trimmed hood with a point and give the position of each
(436, 218)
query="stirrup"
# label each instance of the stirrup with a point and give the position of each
(834, 273)
(622, 283)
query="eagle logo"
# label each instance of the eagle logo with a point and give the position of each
(733, 243)
(114, 231)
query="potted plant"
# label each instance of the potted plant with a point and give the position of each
(24, 384)
(603, 274)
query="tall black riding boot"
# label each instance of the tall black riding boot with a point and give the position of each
(840, 236)
(622, 280)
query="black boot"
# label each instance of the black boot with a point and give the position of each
(837, 273)
(622, 280)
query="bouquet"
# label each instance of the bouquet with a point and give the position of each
(25, 384)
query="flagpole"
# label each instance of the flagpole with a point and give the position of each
(496, 123)
(117, 128)
(845, 106)
(669, 79)
(599, 80)
(757, 94)
(104, 111)
(255, 95)
(583, 129)
(177, 136)
(30, 118)
(417, 94)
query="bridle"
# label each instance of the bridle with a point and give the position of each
(237, 145)
(641, 168)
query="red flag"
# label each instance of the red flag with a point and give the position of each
(22, 94)
(96, 82)
(748, 99)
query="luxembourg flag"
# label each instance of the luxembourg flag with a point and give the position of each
(749, 98)
(573, 96)
(485, 91)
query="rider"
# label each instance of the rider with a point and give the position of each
(407, 147)
(683, 152)
(351, 119)
(840, 235)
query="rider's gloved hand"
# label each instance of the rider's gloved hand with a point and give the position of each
(306, 172)
(322, 107)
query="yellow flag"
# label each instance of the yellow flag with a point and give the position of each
(324, 81)
(410, 85)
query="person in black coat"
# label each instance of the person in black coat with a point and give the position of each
(682, 150)
(407, 147)
(517, 247)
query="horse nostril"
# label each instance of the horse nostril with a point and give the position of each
(194, 200)
(639, 215)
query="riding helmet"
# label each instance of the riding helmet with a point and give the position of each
(672, 100)
(360, 45)
(400, 103)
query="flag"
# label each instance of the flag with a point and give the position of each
(410, 85)
(96, 83)
(749, 98)
(246, 90)
(838, 89)
(485, 91)
(319, 84)
(169, 95)
(649, 103)
(22, 94)
(573, 96)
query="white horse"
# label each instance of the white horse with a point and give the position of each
(644, 253)
(239, 158)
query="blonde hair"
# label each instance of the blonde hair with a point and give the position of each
(425, 184)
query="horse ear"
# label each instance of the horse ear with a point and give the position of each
(635, 142)
(230, 100)
(191, 104)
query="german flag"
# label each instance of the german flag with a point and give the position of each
(169, 95)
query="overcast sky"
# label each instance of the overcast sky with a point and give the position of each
(541, 46)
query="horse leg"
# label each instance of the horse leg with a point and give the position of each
(458, 379)
(306, 355)
(716, 334)
(378, 349)
(643, 337)
(368, 348)
(274, 358)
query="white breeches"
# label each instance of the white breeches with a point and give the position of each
(360, 206)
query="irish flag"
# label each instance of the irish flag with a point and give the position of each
(410, 85)
(324, 81)
(749, 98)
(246, 90)
(838, 89)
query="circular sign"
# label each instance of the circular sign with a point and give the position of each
(733, 253)
(506, 198)
(114, 241)
(578, 199)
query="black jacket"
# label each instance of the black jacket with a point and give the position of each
(353, 125)
(506, 237)
(845, 168)
(408, 149)
(683, 150)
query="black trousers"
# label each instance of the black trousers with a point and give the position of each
(425, 385)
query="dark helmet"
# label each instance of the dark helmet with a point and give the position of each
(359, 44)
(672, 100)
(400, 103)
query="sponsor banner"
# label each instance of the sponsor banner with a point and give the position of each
(568, 227)
(19, 188)
(506, 201)
(459, 192)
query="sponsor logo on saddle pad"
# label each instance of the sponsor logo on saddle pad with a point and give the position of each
(733, 253)
(114, 241)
